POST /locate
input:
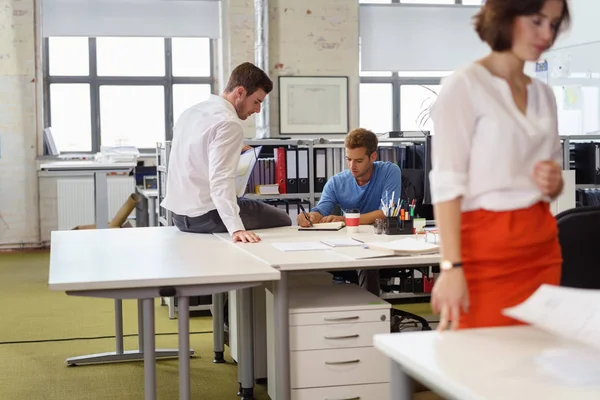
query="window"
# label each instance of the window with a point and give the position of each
(121, 90)
(376, 107)
(415, 101)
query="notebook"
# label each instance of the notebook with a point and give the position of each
(326, 226)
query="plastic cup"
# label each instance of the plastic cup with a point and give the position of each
(352, 222)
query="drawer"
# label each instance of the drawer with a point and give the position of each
(338, 367)
(379, 391)
(335, 336)
(340, 317)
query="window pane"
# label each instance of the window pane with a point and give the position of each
(376, 107)
(185, 96)
(69, 56)
(70, 116)
(424, 74)
(191, 56)
(132, 115)
(374, 1)
(472, 2)
(125, 56)
(415, 101)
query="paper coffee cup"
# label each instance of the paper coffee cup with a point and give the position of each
(352, 222)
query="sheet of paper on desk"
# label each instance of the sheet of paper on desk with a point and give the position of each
(567, 312)
(301, 246)
(408, 246)
(342, 242)
(571, 366)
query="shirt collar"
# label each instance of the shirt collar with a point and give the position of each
(218, 99)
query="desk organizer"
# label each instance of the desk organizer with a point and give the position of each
(394, 226)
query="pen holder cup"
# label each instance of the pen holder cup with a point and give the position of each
(394, 226)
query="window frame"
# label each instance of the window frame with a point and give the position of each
(167, 81)
(397, 81)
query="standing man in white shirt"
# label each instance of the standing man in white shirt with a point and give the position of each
(207, 141)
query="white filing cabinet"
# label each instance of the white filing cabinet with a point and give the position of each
(331, 343)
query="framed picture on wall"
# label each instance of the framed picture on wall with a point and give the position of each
(313, 105)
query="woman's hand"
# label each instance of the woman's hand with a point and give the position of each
(548, 178)
(449, 294)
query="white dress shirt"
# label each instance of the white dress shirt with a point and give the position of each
(484, 148)
(205, 151)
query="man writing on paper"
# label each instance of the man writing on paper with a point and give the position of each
(362, 186)
(207, 141)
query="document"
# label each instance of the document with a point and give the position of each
(567, 312)
(245, 168)
(301, 246)
(406, 246)
(342, 242)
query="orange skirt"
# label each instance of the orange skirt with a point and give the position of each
(506, 257)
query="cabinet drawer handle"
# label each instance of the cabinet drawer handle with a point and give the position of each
(342, 337)
(345, 398)
(342, 362)
(340, 318)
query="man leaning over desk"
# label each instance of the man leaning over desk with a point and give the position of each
(207, 141)
(361, 186)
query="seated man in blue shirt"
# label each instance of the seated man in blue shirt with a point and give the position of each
(362, 186)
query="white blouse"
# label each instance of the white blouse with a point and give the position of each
(484, 148)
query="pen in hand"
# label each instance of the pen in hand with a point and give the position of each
(306, 215)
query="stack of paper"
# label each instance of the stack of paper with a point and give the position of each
(406, 246)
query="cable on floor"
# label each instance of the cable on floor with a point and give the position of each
(94, 338)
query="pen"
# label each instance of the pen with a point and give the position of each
(305, 215)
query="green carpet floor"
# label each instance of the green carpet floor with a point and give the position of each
(33, 320)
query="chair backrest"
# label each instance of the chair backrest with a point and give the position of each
(579, 236)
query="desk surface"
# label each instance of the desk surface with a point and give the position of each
(86, 166)
(337, 258)
(494, 363)
(147, 257)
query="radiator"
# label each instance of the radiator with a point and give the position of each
(75, 199)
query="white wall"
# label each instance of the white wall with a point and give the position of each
(19, 216)
(584, 27)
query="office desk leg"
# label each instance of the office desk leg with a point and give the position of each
(184, 348)
(218, 303)
(400, 383)
(120, 355)
(149, 350)
(246, 344)
(282, 338)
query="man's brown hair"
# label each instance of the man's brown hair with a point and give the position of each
(494, 21)
(250, 77)
(362, 138)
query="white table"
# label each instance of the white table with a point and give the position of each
(99, 171)
(487, 363)
(151, 195)
(325, 260)
(146, 263)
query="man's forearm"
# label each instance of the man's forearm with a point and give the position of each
(370, 217)
(316, 214)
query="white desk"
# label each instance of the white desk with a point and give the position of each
(99, 172)
(327, 260)
(488, 363)
(146, 263)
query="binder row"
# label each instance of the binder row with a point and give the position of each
(588, 197)
(289, 168)
(585, 160)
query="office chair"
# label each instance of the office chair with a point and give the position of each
(578, 233)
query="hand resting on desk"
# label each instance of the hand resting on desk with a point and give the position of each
(245, 237)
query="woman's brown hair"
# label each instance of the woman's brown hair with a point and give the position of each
(494, 21)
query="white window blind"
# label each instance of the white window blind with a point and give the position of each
(139, 18)
(403, 37)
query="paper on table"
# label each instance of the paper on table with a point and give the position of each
(567, 312)
(341, 242)
(406, 246)
(301, 246)
(572, 366)
(325, 226)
